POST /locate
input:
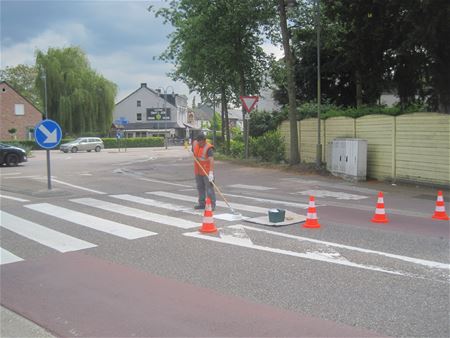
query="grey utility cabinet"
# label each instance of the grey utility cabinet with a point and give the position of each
(347, 157)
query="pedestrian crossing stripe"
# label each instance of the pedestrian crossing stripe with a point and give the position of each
(157, 204)
(138, 213)
(93, 222)
(7, 257)
(237, 206)
(38, 233)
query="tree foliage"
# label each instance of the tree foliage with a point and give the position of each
(22, 78)
(78, 98)
(371, 46)
(216, 47)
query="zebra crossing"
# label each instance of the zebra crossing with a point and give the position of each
(72, 214)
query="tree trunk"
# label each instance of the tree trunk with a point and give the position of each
(358, 82)
(289, 61)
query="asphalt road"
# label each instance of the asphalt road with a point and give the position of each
(114, 250)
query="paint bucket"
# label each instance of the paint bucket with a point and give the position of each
(276, 215)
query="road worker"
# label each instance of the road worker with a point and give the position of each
(204, 171)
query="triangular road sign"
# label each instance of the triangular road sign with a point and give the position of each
(249, 102)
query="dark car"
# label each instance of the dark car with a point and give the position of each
(12, 155)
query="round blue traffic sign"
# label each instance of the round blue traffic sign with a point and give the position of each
(47, 134)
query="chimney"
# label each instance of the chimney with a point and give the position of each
(143, 85)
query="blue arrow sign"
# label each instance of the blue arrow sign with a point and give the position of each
(47, 134)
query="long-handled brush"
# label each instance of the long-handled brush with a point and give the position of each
(235, 213)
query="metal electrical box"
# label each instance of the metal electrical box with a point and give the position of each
(347, 157)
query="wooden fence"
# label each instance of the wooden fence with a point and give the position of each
(411, 147)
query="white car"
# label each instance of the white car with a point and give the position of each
(83, 144)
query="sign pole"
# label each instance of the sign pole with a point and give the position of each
(48, 134)
(248, 103)
(49, 176)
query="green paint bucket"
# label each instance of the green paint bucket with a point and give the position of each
(276, 215)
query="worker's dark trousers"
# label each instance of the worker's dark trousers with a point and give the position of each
(205, 188)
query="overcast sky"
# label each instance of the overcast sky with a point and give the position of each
(120, 38)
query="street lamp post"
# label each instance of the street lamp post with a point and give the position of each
(319, 145)
(165, 112)
(49, 175)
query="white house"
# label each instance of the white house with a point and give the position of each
(150, 113)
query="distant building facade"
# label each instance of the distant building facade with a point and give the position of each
(152, 113)
(16, 112)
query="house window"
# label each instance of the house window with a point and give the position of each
(139, 116)
(139, 103)
(19, 109)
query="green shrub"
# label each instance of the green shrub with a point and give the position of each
(269, 147)
(133, 142)
(237, 148)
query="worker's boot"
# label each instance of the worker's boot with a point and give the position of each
(199, 206)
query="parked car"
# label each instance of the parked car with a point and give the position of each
(12, 155)
(83, 144)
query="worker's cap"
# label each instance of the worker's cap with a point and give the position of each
(201, 137)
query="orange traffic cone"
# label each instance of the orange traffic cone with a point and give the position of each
(439, 212)
(311, 216)
(208, 220)
(380, 214)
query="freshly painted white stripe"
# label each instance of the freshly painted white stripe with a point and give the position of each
(13, 198)
(218, 203)
(235, 235)
(250, 187)
(38, 233)
(7, 257)
(170, 206)
(157, 204)
(430, 264)
(93, 222)
(291, 204)
(138, 213)
(78, 187)
(308, 255)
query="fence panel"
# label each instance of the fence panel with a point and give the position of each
(423, 148)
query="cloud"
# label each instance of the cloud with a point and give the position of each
(24, 52)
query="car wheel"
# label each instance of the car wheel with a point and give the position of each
(12, 160)
(97, 149)
(89, 150)
(74, 149)
(66, 151)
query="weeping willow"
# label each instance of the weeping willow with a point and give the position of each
(78, 98)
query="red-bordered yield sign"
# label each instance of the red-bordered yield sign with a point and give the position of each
(249, 102)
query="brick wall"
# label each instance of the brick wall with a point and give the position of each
(8, 119)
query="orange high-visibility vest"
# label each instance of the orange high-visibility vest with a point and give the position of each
(201, 154)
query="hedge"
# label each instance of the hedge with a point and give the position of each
(108, 142)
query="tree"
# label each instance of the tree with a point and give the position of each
(216, 48)
(22, 78)
(79, 99)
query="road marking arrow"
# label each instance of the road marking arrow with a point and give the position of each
(52, 137)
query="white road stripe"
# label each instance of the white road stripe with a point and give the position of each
(218, 203)
(156, 204)
(13, 198)
(336, 194)
(78, 187)
(138, 213)
(7, 257)
(250, 187)
(93, 222)
(38, 233)
(430, 264)
(273, 202)
(170, 206)
(308, 255)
